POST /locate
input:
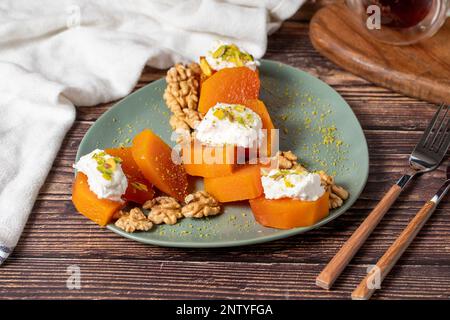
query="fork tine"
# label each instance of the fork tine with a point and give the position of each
(445, 135)
(443, 148)
(426, 134)
(437, 133)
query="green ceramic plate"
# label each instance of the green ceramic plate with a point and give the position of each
(314, 121)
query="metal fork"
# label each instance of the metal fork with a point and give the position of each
(426, 157)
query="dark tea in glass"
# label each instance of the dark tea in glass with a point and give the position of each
(401, 21)
(402, 13)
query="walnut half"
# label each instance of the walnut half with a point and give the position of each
(288, 160)
(337, 193)
(200, 204)
(181, 96)
(133, 221)
(163, 210)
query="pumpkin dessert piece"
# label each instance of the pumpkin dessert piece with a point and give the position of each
(223, 139)
(139, 190)
(154, 160)
(229, 75)
(225, 55)
(243, 184)
(230, 85)
(101, 211)
(289, 213)
(208, 161)
(260, 108)
(99, 186)
(292, 198)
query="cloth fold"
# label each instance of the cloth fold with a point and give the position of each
(55, 55)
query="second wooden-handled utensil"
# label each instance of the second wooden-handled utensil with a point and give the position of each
(366, 288)
(426, 157)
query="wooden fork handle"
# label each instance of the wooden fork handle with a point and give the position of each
(373, 279)
(335, 267)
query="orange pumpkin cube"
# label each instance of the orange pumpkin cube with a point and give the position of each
(260, 108)
(88, 204)
(154, 159)
(243, 184)
(208, 161)
(229, 85)
(289, 213)
(139, 190)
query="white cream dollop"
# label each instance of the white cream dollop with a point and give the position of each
(218, 63)
(232, 124)
(294, 184)
(113, 187)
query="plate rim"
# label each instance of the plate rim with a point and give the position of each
(237, 243)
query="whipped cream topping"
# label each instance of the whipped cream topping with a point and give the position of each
(302, 185)
(105, 175)
(225, 55)
(232, 124)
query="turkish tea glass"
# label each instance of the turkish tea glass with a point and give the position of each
(401, 22)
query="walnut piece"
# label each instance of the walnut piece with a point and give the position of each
(179, 124)
(340, 191)
(133, 221)
(163, 210)
(327, 181)
(182, 95)
(337, 193)
(288, 160)
(200, 204)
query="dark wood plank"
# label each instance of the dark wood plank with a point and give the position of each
(56, 230)
(161, 279)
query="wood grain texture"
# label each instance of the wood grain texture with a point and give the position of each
(56, 236)
(343, 257)
(165, 279)
(421, 70)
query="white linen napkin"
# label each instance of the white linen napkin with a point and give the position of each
(55, 54)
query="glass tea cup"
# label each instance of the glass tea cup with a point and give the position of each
(401, 22)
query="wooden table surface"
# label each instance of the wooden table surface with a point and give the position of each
(57, 237)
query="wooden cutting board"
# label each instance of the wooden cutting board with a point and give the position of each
(421, 70)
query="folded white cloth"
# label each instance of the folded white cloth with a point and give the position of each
(55, 54)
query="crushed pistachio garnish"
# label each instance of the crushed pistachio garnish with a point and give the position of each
(282, 173)
(229, 114)
(231, 53)
(239, 108)
(240, 120)
(219, 52)
(328, 134)
(219, 114)
(106, 166)
(139, 186)
(287, 183)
